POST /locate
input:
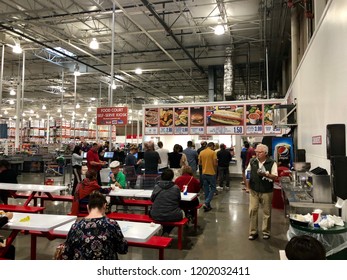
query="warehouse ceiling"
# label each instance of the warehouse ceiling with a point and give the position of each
(172, 41)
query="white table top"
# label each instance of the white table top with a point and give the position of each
(125, 192)
(39, 222)
(31, 187)
(146, 194)
(132, 231)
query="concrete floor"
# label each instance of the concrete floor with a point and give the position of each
(222, 233)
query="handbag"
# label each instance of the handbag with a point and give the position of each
(59, 251)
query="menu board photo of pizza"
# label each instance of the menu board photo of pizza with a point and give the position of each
(151, 117)
(151, 121)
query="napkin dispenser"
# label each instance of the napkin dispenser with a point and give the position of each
(321, 189)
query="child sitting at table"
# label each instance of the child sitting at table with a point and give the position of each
(11, 251)
(83, 190)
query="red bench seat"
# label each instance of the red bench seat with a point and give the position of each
(147, 219)
(43, 197)
(21, 208)
(138, 202)
(155, 242)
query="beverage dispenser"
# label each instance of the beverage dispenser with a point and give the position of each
(320, 183)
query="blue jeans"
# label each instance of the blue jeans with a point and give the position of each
(209, 183)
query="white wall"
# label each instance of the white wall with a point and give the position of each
(320, 84)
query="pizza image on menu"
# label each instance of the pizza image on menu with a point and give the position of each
(197, 116)
(151, 117)
(166, 117)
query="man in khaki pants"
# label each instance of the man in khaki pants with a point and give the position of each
(262, 173)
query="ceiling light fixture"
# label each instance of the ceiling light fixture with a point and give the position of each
(78, 106)
(5, 112)
(11, 102)
(43, 107)
(138, 71)
(114, 86)
(12, 92)
(59, 110)
(31, 111)
(94, 44)
(219, 29)
(89, 109)
(180, 97)
(17, 48)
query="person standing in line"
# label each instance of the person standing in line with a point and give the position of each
(93, 161)
(95, 237)
(250, 154)
(224, 157)
(192, 157)
(263, 172)
(208, 161)
(163, 154)
(243, 156)
(203, 145)
(76, 161)
(151, 158)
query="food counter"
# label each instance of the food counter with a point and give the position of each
(298, 199)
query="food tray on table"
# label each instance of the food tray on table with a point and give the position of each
(299, 220)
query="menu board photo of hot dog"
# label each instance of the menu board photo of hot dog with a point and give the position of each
(227, 115)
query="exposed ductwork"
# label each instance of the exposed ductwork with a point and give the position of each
(228, 74)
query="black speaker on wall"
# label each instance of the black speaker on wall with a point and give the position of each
(336, 140)
(339, 175)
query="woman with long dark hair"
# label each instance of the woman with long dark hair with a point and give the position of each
(76, 160)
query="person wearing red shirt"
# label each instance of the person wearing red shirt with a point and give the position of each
(193, 186)
(93, 161)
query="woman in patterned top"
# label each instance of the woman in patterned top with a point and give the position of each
(95, 237)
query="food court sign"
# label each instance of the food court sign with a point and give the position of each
(112, 116)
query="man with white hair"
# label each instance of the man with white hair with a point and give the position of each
(262, 172)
